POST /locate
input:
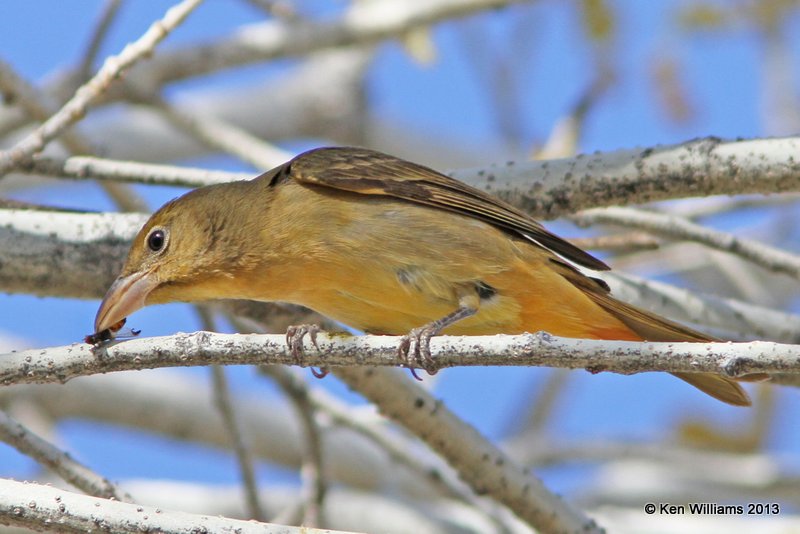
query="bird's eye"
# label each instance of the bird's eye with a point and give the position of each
(156, 240)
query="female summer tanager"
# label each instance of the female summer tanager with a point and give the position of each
(385, 246)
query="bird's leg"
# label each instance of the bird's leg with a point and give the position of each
(421, 338)
(294, 339)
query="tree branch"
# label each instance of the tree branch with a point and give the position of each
(176, 406)
(59, 364)
(366, 24)
(313, 475)
(36, 106)
(220, 134)
(479, 463)
(63, 254)
(50, 456)
(702, 167)
(41, 508)
(113, 67)
(549, 189)
(741, 320)
(770, 258)
(100, 32)
(92, 168)
(224, 404)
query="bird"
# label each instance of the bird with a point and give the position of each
(385, 246)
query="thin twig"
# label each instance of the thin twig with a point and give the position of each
(312, 470)
(314, 476)
(363, 25)
(223, 135)
(224, 404)
(92, 168)
(399, 449)
(494, 75)
(22, 94)
(37, 107)
(183, 405)
(77, 106)
(50, 456)
(741, 320)
(482, 465)
(541, 406)
(566, 134)
(771, 258)
(101, 29)
(277, 8)
(626, 242)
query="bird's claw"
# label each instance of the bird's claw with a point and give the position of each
(420, 356)
(294, 340)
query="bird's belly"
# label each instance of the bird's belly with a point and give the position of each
(385, 299)
(374, 299)
(371, 300)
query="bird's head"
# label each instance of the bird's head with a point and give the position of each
(180, 255)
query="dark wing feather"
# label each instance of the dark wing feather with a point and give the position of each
(651, 327)
(368, 172)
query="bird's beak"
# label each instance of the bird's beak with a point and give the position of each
(126, 295)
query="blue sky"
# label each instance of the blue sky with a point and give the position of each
(723, 78)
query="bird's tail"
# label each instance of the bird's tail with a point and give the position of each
(651, 327)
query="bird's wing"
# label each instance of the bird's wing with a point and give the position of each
(373, 173)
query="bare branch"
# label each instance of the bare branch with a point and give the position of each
(538, 412)
(23, 94)
(63, 254)
(399, 449)
(36, 106)
(367, 512)
(742, 320)
(182, 405)
(47, 454)
(225, 407)
(276, 8)
(223, 135)
(38, 507)
(771, 258)
(76, 108)
(626, 242)
(321, 98)
(702, 167)
(107, 15)
(224, 403)
(548, 189)
(482, 465)
(59, 364)
(90, 168)
(312, 471)
(365, 24)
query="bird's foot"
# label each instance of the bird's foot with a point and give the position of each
(415, 349)
(420, 338)
(294, 340)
